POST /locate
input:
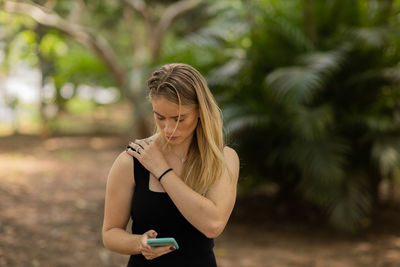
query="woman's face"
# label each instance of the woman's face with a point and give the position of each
(166, 116)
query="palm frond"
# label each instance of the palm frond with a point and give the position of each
(208, 44)
(299, 83)
(320, 161)
(286, 30)
(296, 84)
(373, 37)
(312, 123)
(351, 205)
(227, 24)
(239, 118)
(325, 63)
(224, 75)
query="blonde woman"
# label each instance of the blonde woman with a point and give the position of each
(181, 182)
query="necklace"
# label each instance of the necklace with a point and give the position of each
(182, 159)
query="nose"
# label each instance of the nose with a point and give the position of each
(169, 128)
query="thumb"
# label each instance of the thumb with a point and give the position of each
(151, 234)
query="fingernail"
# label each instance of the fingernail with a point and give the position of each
(172, 248)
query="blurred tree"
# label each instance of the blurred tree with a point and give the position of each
(310, 88)
(137, 32)
(316, 107)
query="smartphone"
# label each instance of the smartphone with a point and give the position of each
(162, 242)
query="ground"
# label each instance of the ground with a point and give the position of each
(51, 211)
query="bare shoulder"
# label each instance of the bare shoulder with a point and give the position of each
(232, 161)
(122, 169)
(124, 161)
(230, 154)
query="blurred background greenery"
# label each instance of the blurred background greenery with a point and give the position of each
(310, 89)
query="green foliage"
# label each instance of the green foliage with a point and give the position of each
(23, 47)
(80, 66)
(52, 46)
(311, 101)
(12, 24)
(80, 106)
(319, 115)
(212, 41)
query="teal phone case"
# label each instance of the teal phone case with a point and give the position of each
(162, 242)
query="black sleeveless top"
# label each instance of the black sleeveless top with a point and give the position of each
(155, 210)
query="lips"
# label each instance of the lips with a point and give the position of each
(172, 137)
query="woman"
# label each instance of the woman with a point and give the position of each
(183, 180)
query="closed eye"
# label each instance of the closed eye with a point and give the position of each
(161, 119)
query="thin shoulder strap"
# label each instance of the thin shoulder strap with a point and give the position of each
(140, 172)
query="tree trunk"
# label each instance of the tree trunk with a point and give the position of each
(43, 122)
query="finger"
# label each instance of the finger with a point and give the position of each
(157, 252)
(151, 234)
(168, 251)
(148, 256)
(142, 143)
(135, 145)
(129, 150)
(133, 152)
(147, 235)
(163, 250)
(129, 147)
(132, 144)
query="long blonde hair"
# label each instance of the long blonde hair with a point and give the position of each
(184, 85)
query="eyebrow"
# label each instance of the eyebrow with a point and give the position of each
(174, 117)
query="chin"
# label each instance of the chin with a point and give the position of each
(175, 141)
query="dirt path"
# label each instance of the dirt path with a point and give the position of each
(51, 208)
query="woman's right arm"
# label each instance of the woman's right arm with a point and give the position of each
(119, 192)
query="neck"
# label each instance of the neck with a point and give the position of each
(180, 150)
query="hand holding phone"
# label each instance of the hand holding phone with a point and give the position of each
(162, 242)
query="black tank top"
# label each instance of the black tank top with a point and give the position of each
(155, 210)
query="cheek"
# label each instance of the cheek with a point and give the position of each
(189, 126)
(159, 123)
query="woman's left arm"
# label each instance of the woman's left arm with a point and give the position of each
(209, 213)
